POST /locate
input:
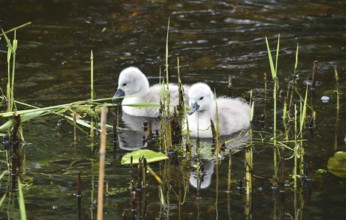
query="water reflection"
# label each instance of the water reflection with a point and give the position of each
(134, 132)
(133, 135)
(201, 179)
(203, 162)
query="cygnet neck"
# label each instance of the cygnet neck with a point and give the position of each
(143, 87)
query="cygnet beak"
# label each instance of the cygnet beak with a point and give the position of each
(118, 94)
(193, 108)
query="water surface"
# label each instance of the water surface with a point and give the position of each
(212, 39)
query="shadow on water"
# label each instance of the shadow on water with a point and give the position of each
(213, 40)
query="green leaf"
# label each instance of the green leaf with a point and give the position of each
(23, 117)
(150, 155)
(271, 63)
(337, 164)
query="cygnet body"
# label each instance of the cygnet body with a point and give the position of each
(233, 114)
(134, 86)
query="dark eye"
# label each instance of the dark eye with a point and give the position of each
(124, 84)
(201, 98)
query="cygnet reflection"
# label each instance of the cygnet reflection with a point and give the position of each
(201, 175)
(133, 131)
(201, 178)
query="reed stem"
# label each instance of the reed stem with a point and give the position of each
(295, 147)
(14, 49)
(103, 138)
(273, 70)
(314, 75)
(15, 28)
(337, 90)
(21, 201)
(229, 176)
(92, 125)
(249, 153)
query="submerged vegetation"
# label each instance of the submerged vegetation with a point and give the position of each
(188, 156)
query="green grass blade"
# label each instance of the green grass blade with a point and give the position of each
(303, 113)
(169, 19)
(296, 62)
(271, 63)
(277, 55)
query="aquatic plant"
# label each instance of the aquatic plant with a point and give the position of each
(298, 119)
(273, 71)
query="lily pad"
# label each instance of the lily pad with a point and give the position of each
(337, 164)
(151, 156)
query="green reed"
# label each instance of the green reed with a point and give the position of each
(21, 200)
(216, 130)
(337, 89)
(11, 64)
(15, 28)
(249, 151)
(298, 120)
(273, 70)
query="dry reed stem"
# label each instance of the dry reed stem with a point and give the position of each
(103, 138)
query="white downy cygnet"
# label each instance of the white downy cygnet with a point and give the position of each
(134, 86)
(233, 114)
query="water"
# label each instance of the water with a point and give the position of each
(212, 39)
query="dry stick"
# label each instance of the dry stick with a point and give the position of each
(79, 190)
(229, 177)
(314, 75)
(104, 111)
(74, 127)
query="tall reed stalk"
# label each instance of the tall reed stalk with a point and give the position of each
(92, 133)
(302, 119)
(249, 153)
(273, 70)
(167, 93)
(104, 110)
(337, 110)
(11, 67)
(296, 148)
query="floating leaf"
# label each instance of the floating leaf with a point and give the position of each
(150, 155)
(337, 164)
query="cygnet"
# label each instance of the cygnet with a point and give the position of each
(233, 114)
(133, 85)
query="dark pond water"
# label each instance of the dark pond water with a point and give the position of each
(213, 39)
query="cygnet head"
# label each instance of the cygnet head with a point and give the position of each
(200, 98)
(131, 82)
